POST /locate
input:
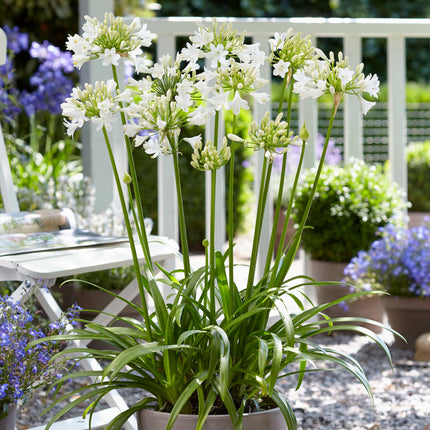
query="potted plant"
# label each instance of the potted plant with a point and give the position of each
(25, 369)
(209, 349)
(398, 263)
(352, 201)
(418, 159)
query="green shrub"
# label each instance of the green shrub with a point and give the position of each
(418, 159)
(351, 203)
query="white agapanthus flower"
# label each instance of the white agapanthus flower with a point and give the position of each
(153, 147)
(217, 55)
(335, 77)
(202, 37)
(195, 141)
(98, 103)
(237, 103)
(109, 40)
(281, 68)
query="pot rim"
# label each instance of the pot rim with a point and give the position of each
(211, 417)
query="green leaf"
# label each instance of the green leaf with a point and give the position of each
(286, 409)
(286, 320)
(133, 353)
(263, 353)
(224, 367)
(276, 362)
(184, 397)
(118, 422)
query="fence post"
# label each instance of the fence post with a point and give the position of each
(353, 119)
(396, 63)
(94, 155)
(168, 224)
(259, 112)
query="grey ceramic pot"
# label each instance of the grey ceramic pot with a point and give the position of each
(267, 420)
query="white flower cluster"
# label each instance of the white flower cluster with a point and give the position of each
(328, 76)
(271, 136)
(209, 158)
(98, 103)
(289, 52)
(110, 40)
(176, 92)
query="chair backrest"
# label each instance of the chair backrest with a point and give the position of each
(7, 190)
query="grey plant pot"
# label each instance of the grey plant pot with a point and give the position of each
(8, 423)
(267, 420)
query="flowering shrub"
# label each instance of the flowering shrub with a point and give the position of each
(24, 368)
(398, 262)
(51, 81)
(29, 113)
(418, 161)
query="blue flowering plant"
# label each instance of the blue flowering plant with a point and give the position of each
(25, 367)
(398, 262)
(211, 346)
(30, 115)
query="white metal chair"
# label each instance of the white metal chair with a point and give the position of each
(39, 270)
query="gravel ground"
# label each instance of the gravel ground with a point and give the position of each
(334, 400)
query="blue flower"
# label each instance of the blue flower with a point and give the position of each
(16, 41)
(398, 262)
(27, 367)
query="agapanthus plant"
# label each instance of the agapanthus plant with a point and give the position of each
(24, 368)
(398, 262)
(209, 347)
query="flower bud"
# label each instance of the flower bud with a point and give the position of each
(126, 178)
(304, 133)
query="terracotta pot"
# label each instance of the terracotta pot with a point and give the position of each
(417, 218)
(267, 420)
(364, 307)
(8, 422)
(410, 316)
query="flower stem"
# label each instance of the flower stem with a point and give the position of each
(264, 190)
(133, 174)
(286, 264)
(282, 176)
(230, 213)
(212, 222)
(181, 213)
(130, 235)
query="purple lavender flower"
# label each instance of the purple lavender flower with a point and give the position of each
(16, 41)
(50, 81)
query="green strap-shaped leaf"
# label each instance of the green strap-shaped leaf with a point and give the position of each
(286, 409)
(184, 397)
(223, 287)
